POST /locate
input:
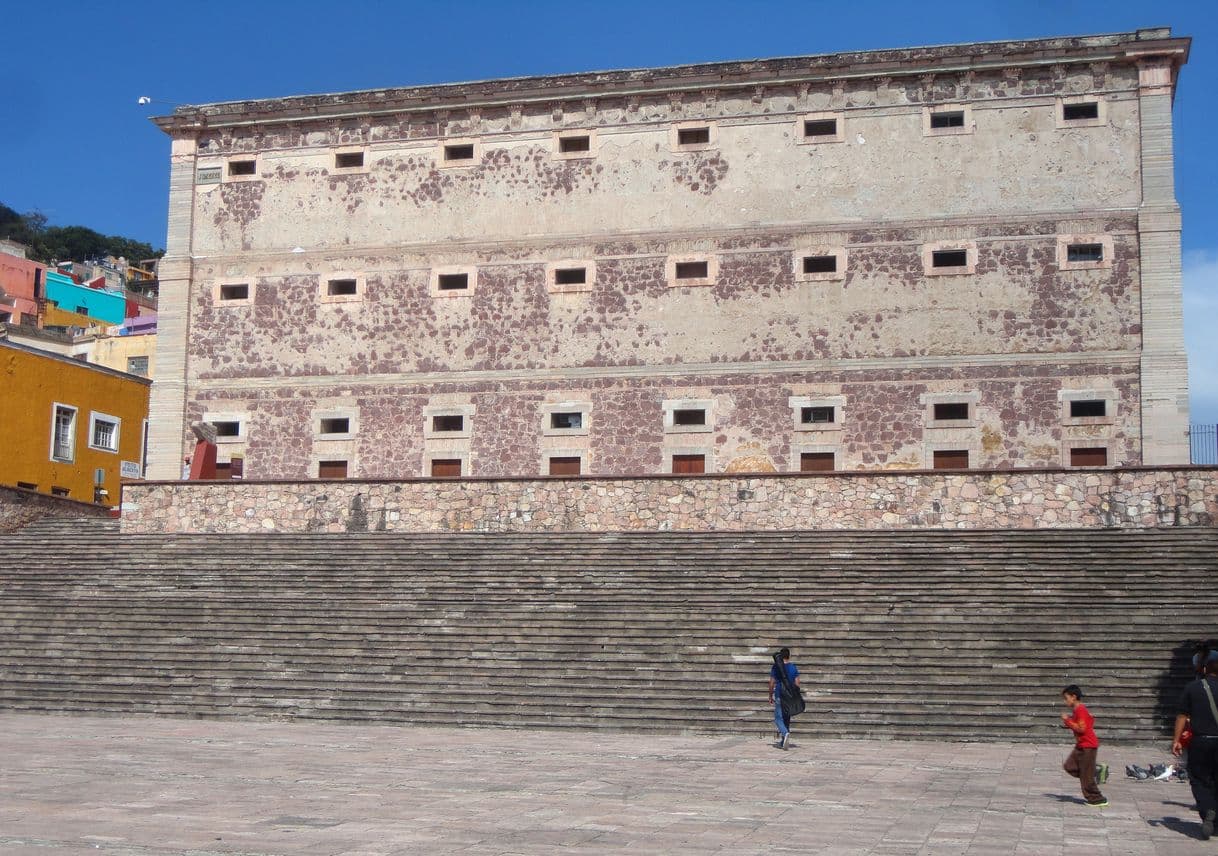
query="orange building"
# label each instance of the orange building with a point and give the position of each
(67, 427)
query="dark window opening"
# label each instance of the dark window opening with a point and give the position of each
(337, 425)
(27, 485)
(60, 491)
(817, 415)
(1081, 409)
(224, 470)
(82, 310)
(947, 119)
(1083, 110)
(693, 136)
(235, 292)
(329, 470)
(816, 462)
(242, 167)
(820, 127)
(227, 429)
(454, 422)
(949, 258)
(571, 276)
(1085, 252)
(688, 464)
(575, 144)
(689, 417)
(1089, 457)
(346, 160)
(820, 264)
(955, 459)
(452, 282)
(564, 466)
(464, 151)
(446, 467)
(951, 410)
(693, 270)
(342, 287)
(566, 421)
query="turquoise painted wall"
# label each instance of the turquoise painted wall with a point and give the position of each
(102, 305)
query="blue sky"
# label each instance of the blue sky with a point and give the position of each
(75, 145)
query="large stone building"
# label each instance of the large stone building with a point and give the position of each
(936, 257)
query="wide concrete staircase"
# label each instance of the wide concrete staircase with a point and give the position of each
(959, 635)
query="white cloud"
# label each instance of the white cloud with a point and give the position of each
(1201, 333)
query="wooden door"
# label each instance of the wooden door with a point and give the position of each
(446, 467)
(688, 464)
(564, 466)
(816, 462)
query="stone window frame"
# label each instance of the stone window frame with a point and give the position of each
(241, 417)
(670, 405)
(56, 406)
(584, 456)
(575, 288)
(929, 110)
(464, 163)
(465, 410)
(707, 451)
(203, 176)
(1108, 396)
(675, 129)
(839, 137)
(931, 247)
(218, 286)
(584, 408)
(1063, 252)
(930, 399)
(797, 263)
(593, 144)
(351, 414)
(798, 449)
(318, 456)
(798, 402)
(1069, 443)
(335, 169)
(462, 455)
(226, 177)
(1059, 111)
(471, 271)
(96, 416)
(972, 446)
(712, 270)
(324, 280)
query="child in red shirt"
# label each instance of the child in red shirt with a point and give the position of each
(1081, 762)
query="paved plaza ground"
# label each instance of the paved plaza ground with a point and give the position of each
(152, 786)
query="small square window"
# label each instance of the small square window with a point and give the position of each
(817, 415)
(817, 462)
(1094, 456)
(575, 143)
(951, 459)
(452, 282)
(137, 366)
(242, 167)
(820, 264)
(445, 467)
(448, 422)
(947, 119)
(336, 425)
(820, 127)
(331, 469)
(227, 428)
(1088, 408)
(952, 411)
(571, 276)
(342, 287)
(692, 270)
(235, 291)
(1080, 111)
(689, 416)
(564, 466)
(459, 152)
(688, 464)
(103, 432)
(693, 136)
(566, 420)
(949, 258)
(348, 160)
(1084, 252)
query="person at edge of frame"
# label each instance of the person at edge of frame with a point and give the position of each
(1199, 711)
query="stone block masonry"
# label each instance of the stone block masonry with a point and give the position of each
(1013, 499)
(20, 508)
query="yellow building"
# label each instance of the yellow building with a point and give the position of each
(131, 354)
(64, 422)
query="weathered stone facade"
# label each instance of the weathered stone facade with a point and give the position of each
(310, 239)
(1011, 499)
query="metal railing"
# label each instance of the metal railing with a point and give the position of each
(1203, 444)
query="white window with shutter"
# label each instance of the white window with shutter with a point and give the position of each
(63, 433)
(103, 432)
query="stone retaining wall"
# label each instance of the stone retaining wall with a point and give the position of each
(22, 507)
(1014, 499)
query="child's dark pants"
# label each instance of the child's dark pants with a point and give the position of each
(1081, 764)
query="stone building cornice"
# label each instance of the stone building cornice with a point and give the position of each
(1154, 45)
